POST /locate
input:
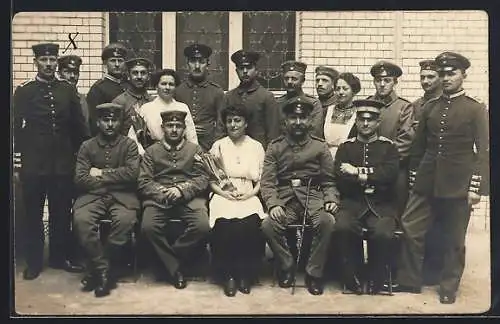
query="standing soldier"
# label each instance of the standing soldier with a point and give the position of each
(450, 160)
(111, 85)
(48, 130)
(433, 88)
(134, 126)
(68, 68)
(366, 169)
(326, 79)
(298, 174)
(397, 119)
(293, 74)
(203, 97)
(431, 84)
(264, 123)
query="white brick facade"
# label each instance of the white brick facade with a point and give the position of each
(346, 40)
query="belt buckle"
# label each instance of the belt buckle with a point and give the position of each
(369, 190)
(295, 182)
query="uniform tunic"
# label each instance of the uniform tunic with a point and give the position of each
(102, 91)
(418, 105)
(205, 100)
(48, 129)
(113, 196)
(133, 125)
(316, 116)
(264, 124)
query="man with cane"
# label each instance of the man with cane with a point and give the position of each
(298, 179)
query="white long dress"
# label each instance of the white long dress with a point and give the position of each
(243, 165)
(336, 133)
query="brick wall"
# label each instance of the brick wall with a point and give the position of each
(353, 41)
(29, 28)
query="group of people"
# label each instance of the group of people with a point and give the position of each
(340, 165)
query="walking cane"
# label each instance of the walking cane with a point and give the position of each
(300, 236)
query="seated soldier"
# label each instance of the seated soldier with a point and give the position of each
(172, 184)
(366, 169)
(106, 173)
(297, 165)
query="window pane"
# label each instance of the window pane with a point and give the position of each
(140, 32)
(272, 34)
(209, 28)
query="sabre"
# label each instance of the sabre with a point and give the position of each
(300, 235)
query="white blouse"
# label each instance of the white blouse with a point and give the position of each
(150, 112)
(336, 133)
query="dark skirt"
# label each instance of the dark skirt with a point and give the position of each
(237, 247)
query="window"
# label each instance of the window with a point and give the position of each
(152, 35)
(272, 35)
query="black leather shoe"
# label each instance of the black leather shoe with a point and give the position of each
(30, 274)
(103, 287)
(375, 287)
(230, 287)
(89, 282)
(244, 286)
(447, 297)
(67, 265)
(314, 285)
(285, 279)
(403, 288)
(354, 285)
(179, 281)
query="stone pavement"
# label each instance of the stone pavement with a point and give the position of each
(57, 293)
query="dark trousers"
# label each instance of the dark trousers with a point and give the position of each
(59, 191)
(419, 214)
(322, 227)
(86, 226)
(19, 225)
(402, 189)
(155, 221)
(349, 234)
(237, 247)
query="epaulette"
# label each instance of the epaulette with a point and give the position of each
(26, 82)
(214, 84)
(317, 138)
(433, 99)
(314, 99)
(475, 99)
(351, 140)
(277, 139)
(385, 139)
(404, 99)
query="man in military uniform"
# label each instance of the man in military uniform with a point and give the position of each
(397, 118)
(204, 98)
(111, 85)
(106, 174)
(293, 74)
(449, 166)
(265, 116)
(68, 67)
(48, 130)
(326, 79)
(432, 85)
(293, 163)
(172, 182)
(136, 94)
(366, 169)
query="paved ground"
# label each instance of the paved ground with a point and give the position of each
(57, 293)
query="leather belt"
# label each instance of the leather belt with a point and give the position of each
(298, 182)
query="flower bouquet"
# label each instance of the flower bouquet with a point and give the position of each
(214, 167)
